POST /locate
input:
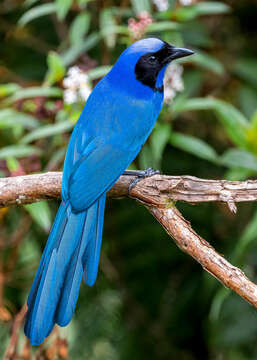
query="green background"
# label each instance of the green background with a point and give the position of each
(150, 301)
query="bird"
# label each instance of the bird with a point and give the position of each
(115, 122)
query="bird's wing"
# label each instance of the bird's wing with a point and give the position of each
(109, 134)
(95, 173)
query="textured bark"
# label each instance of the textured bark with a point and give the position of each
(157, 190)
(157, 193)
(194, 245)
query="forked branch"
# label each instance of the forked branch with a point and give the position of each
(157, 193)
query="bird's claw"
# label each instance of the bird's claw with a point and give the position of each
(140, 174)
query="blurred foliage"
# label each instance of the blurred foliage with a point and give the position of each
(150, 301)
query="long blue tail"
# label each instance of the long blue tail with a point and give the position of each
(73, 248)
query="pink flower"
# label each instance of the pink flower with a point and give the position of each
(138, 27)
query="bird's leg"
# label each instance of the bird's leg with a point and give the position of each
(140, 174)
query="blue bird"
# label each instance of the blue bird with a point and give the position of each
(117, 119)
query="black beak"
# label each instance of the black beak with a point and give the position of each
(176, 53)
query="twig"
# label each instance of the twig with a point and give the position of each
(10, 353)
(157, 194)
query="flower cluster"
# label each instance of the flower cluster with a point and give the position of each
(138, 27)
(161, 5)
(173, 82)
(77, 86)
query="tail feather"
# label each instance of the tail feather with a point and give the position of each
(56, 286)
(92, 254)
(46, 280)
(55, 236)
(74, 273)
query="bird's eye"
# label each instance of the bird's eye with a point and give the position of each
(152, 59)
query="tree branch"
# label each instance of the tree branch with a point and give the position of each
(157, 193)
(194, 245)
(157, 190)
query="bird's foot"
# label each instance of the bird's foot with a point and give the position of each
(140, 174)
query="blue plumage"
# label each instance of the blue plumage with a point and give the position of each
(114, 124)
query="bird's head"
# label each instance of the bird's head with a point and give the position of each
(146, 61)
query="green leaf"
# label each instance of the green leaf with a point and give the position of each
(247, 239)
(227, 110)
(194, 146)
(234, 122)
(195, 104)
(98, 72)
(115, 29)
(79, 28)
(56, 69)
(146, 157)
(254, 120)
(40, 213)
(246, 68)
(62, 8)
(36, 12)
(141, 5)
(107, 27)
(193, 81)
(185, 13)
(238, 174)
(28, 3)
(125, 12)
(163, 26)
(239, 158)
(217, 303)
(197, 35)
(56, 159)
(74, 52)
(46, 131)
(18, 151)
(252, 134)
(10, 119)
(211, 8)
(207, 62)
(32, 92)
(8, 89)
(12, 164)
(159, 140)
(247, 100)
